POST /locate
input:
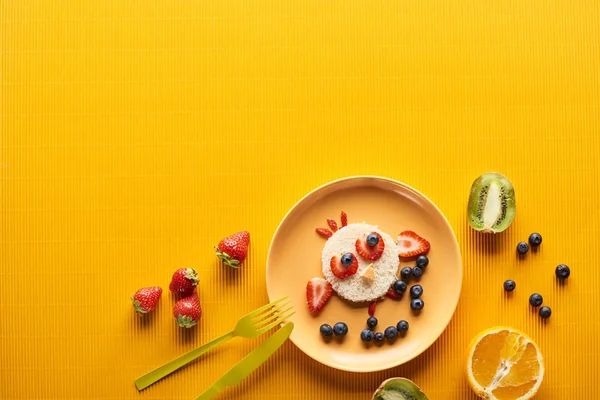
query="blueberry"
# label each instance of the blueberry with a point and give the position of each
(379, 337)
(535, 239)
(509, 285)
(402, 326)
(545, 312)
(416, 291)
(417, 272)
(406, 272)
(562, 271)
(391, 332)
(367, 335)
(326, 330)
(400, 286)
(340, 329)
(422, 261)
(347, 259)
(536, 300)
(372, 322)
(522, 248)
(417, 304)
(372, 240)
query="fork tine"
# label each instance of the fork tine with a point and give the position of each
(275, 316)
(265, 307)
(277, 321)
(266, 314)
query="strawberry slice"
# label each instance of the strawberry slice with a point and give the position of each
(326, 233)
(372, 307)
(344, 219)
(318, 291)
(392, 294)
(344, 265)
(332, 225)
(370, 252)
(412, 245)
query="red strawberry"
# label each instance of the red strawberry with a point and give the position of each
(332, 224)
(412, 245)
(145, 299)
(370, 252)
(324, 232)
(372, 307)
(234, 249)
(340, 270)
(344, 219)
(392, 294)
(187, 311)
(184, 281)
(318, 291)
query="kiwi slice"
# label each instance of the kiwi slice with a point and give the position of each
(399, 389)
(492, 204)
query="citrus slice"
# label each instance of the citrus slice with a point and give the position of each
(504, 364)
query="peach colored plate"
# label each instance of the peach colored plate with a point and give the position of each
(295, 257)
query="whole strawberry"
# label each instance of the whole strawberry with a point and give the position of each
(233, 249)
(145, 299)
(184, 281)
(187, 311)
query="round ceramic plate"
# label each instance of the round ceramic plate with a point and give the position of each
(295, 257)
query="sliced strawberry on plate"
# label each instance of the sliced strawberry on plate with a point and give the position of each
(332, 225)
(344, 219)
(392, 294)
(412, 245)
(372, 307)
(344, 266)
(370, 246)
(318, 291)
(326, 233)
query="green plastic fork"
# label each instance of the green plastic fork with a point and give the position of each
(249, 326)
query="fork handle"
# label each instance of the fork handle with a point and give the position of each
(157, 374)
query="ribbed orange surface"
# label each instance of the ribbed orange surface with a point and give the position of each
(134, 135)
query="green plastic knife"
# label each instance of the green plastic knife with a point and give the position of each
(249, 363)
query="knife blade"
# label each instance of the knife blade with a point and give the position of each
(251, 362)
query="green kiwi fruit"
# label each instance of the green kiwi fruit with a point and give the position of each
(399, 389)
(492, 205)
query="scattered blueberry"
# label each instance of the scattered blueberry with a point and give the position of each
(402, 326)
(417, 272)
(326, 330)
(367, 335)
(509, 285)
(522, 248)
(416, 291)
(372, 322)
(562, 271)
(417, 304)
(536, 300)
(372, 240)
(391, 332)
(347, 259)
(535, 239)
(545, 312)
(400, 286)
(379, 337)
(340, 329)
(422, 261)
(406, 272)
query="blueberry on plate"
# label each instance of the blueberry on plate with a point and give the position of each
(406, 272)
(326, 330)
(367, 335)
(417, 272)
(509, 285)
(372, 322)
(536, 300)
(340, 329)
(562, 271)
(535, 239)
(416, 291)
(402, 326)
(372, 240)
(522, 248)
(422, 261)
(545, 312)
(391, 332)
(379, 337)
(347, 259)
(417, 304)
(400, 286)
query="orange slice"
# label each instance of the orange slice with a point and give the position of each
(504, 364)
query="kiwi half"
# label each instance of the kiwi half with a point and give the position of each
(399, 389)
(492, 206)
